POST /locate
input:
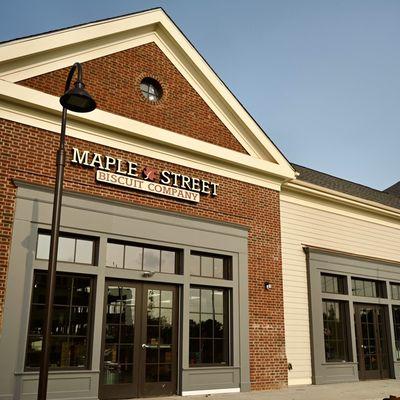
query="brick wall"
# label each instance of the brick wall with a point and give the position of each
(28, 154)
(114, 82)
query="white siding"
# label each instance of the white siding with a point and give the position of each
(308, 221)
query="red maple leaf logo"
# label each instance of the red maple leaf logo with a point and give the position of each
(150, 174)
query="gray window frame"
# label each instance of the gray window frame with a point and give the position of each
(107, 219)
(351, 266)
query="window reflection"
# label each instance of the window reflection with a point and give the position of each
(159, 335)
(70, 324)
(208, 326)
(43, 247)
(151, 260)
(84, 251)
(66, 249)
(396, 323)
(120, 329)
(168, 261)
(115, 255)
(70, 248)
(129, 256)
(333, 284)
(210, 266)
(207, 266)
(133, 257)
(335, 330)
(368, 288)
(395, 289)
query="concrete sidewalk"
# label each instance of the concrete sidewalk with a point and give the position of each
(370, 390)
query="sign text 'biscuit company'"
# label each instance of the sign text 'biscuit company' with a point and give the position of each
(129, 174)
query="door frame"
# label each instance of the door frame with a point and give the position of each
(138, 388)
(381, 372)
(129, 389)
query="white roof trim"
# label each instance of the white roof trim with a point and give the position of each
(41, 110)
(32, 56)
(344, 198)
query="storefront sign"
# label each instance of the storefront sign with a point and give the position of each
(127, 174)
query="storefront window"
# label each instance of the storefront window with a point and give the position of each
(71, 248)
(335, 330)
(209, 326)
(210, 266)
(70, 332)
(396, 323)
(131, 256)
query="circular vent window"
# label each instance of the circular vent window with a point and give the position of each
(151, 89)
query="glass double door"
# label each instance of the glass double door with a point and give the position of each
(139, 345)
(372, 343)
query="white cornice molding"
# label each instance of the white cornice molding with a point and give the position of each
(34, 108)
(37, 55)
(334, 196)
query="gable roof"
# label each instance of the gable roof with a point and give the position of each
(35, 55)
(344, 186)
(394, 189)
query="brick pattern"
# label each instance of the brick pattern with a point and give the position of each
(114, 82)
(28, 154)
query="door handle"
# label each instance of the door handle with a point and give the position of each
(149, 346)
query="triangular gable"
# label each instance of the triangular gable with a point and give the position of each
(114, 81)
(24, 59)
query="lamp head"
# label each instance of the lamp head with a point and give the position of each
(78, 99)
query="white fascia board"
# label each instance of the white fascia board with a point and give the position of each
(221, 88)
(34, 56)
(29, 46)
(31, 107)
(341, 198)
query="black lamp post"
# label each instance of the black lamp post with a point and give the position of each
(78, 100)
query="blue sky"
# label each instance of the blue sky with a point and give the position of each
(321, 77)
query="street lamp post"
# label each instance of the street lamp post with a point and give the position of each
(78, 100)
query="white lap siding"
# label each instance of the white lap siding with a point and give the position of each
(307, 220)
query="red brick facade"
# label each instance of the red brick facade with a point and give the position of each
(114, 82)
(28, 154)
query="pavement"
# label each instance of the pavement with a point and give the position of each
(367, 390)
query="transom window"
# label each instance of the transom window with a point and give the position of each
(333, 284)
(209, 326)
(210, 265)
(335, 330)
(368, 288)
(133, 256)
(70, 331)
(151, 89)
(395, 289)
(71, 248)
